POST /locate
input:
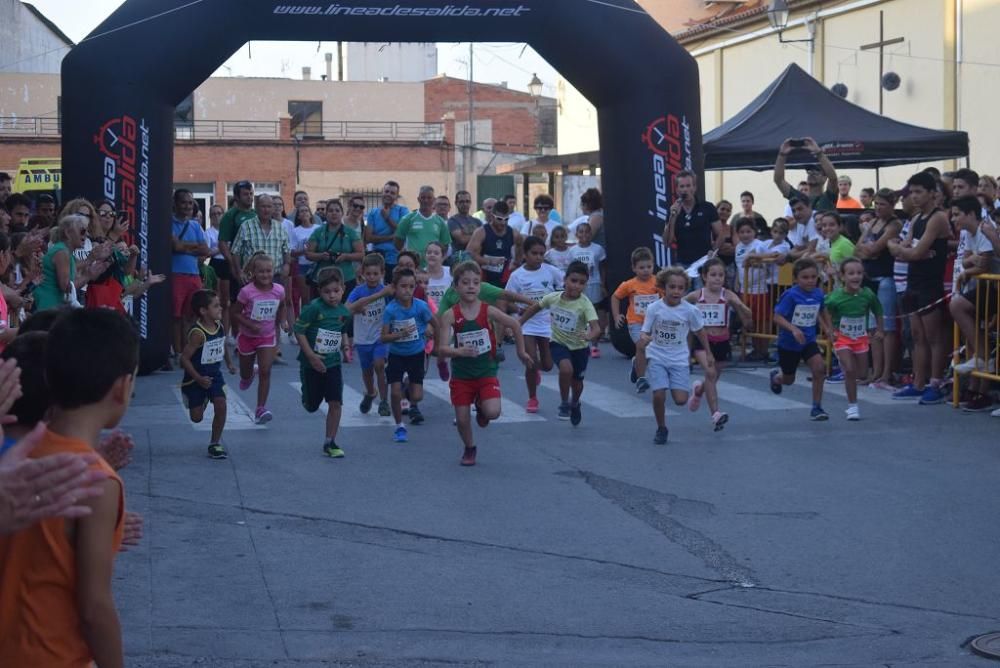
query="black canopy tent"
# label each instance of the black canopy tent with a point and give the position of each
(797, 105)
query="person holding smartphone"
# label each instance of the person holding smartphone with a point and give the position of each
(107, 289)
(820, 176)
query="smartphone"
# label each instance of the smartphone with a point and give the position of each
(121, 216)
(796, 143)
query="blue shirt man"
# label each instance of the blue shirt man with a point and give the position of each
(188, 231)
(382, 224)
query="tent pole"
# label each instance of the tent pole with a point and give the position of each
(878, 179)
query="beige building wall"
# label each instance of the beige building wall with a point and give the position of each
(935, 92)
(227, 98)
(29, 95)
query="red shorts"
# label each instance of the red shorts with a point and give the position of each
(465, 392)
(248, 345)
(856, 346)
(183, 286)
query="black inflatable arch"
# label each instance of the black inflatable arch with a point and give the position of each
(120, 88)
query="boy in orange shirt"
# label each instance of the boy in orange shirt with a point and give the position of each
(56, 605)
(640, 291)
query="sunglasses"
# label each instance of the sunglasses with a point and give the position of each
(503, 218)
(360, 207)
(105, 214)
(543, 208)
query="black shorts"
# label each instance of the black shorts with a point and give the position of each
(789, 360)
(919, 297)
(196, 396)
(577, 358)
(319, 387)
(222, 269)
(722, 351)
(411, 366)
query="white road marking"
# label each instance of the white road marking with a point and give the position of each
(239, 416)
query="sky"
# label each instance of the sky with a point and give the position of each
(493, 62)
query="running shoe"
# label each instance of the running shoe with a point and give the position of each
(852, 413)
(332, 450)
(719, 420)
(906, 393)
(633, 376)
(776, 386)
(564, 410)
(366, 403)
(216, 451)
(974, 364)
(931, 396)
(416, 417)
(263, 416)
(245, 383)
(399, 436)
(818, 414)
(383, 408)
(595, 352)
(694, 402)
(995, 413)
(661, 436)
(469, 457)
(444, 373)
(641, 385)
(575, 414)
(836, 377)
(978, 404)
(531, 406)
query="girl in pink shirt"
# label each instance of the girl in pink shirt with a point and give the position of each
(261, 307)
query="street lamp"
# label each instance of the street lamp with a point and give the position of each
(535, 86)
(777, 16)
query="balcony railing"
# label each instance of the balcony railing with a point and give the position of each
(227, 130)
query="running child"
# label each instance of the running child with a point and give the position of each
(574, 326)
(798, 315)
(321, 332)
(371, 294)
(595, 258)
(714, 303)
(201, 359)
(466, 335)
(558, 254)
(849, 307)
(404, 324)
(664, 359)
(534, 279)
(261, 305)
(641, 292)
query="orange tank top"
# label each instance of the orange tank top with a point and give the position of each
(39, 616)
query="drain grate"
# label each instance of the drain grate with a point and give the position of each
(987, 645)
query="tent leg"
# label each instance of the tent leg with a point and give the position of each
(878, 179)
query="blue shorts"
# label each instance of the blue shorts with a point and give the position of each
(578, 358)
(886, 290)
(196, 396)
(369, 352)
(662, 377)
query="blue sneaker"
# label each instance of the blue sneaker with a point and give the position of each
(907, 392)
(399, 436)
(836, 377)
(931, 396)
(775, 382)
(817, 414)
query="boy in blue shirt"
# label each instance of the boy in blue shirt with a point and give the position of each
(404, 324)
(372, 352)
(798, 315)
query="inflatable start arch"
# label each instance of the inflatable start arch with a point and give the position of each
(121, 84)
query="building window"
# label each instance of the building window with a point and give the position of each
(307, 118)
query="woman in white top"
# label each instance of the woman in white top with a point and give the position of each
(543, 207)
(304, 228)
(438, 275)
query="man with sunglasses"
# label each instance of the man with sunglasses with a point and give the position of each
(496, 247)
(462, 226)
(821, 176)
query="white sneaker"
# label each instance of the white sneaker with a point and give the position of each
(853, 413)
(974, 364)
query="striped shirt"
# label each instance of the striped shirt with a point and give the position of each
(252, 239)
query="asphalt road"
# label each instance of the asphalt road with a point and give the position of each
(777, 541)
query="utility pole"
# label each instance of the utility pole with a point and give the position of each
(470, 166)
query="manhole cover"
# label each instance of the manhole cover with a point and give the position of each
(987, 645)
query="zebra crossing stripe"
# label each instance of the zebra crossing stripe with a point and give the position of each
(732, 394)
(239, 416)
(609, 400)
(510, 411)
(865, 394)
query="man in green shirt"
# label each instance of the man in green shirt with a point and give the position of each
(229, 226)
(821, 177)
(419, 228)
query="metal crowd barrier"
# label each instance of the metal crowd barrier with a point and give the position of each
(987, 333)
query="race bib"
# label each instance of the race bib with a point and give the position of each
(585, 258)
(327, 342)
(214, 351)
(402, 326)
(264, 310)
(478, 340)
(436, 293)
(853, 328)
(642, 302)
(805, 315)
(564, 320)
(713, 314)
(668, 334)
(373, 312)
(495, 268)
(535, 295)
